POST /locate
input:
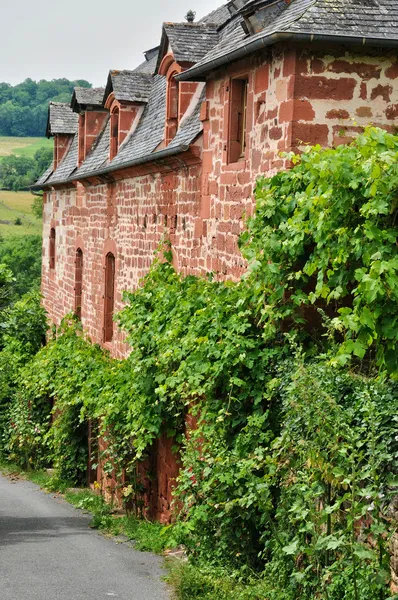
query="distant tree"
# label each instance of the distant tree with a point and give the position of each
(21, 260)
(19, 172)
(6, 280)
(23, 107)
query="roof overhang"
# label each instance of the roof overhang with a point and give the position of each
(199, 72)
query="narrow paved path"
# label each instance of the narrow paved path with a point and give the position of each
(48, 552)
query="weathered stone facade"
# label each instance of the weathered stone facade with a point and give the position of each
(297, 93)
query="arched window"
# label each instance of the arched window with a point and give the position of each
(109, 296)
(78, 283)
(114, 133)
(52, 248)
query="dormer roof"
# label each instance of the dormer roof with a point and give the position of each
(86, 98)
(129, 86)
(61, 119)
(362, 22)
(149, 64)
(189, 42)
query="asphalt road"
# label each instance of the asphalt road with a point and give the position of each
(47, 552)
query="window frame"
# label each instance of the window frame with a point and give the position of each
(237, 122)
(109, 296)
(52, 248)
(79, 266)
(115, 130)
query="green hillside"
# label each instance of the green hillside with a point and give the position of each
(18, 206)
(23, 146)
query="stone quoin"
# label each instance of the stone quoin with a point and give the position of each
(173, 148)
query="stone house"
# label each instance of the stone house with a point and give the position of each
(173, 148)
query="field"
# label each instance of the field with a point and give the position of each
(17, 205)
(22, 146)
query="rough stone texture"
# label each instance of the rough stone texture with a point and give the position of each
(198, 200)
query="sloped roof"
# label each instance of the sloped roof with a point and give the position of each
(99, 155)
(129, 86)
(189, 42)
(86, 97)
(140, 147)
(150, 62)
(42, 180)
(343, 20)
(61, 119)
(218, 16)
(67, 166)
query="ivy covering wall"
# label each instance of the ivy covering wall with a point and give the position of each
(289, 375)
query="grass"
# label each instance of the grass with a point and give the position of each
(191, 582)
(18, 205)
(23, 146)
(147, 536)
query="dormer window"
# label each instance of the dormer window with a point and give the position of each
(114, 146)
(260, 13)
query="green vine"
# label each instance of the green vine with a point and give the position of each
(279, 391)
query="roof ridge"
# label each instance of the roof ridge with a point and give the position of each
(196, 24)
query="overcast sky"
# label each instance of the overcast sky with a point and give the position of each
(83, 39)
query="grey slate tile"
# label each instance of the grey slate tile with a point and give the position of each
(61, 119)
(87, 97)
(67, 166)
(351, 18)
(129, 86)
(191, 41)
(42, 180)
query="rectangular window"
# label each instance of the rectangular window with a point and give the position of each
(109, 297)
(237, 120)
(82, 140)
(78, 283)
(52, 248)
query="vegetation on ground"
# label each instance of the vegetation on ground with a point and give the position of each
(24, 107)
(17, 207)
(23, 146)
(289, 376)
(22, 255)
(20, 172)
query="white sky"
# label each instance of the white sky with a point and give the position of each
(83, 39)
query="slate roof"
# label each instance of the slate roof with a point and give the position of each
(99, 155)
(87, 97)
(67, 166)
(45, 176)
(218, 16)
(61, 119)
(149, 65)
(129, 86)
(191, 41)
(216, 39)
(376, 20)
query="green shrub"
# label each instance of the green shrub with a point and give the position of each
(288, 376)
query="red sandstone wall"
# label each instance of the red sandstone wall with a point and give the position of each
(338, 93)
(296, 96)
